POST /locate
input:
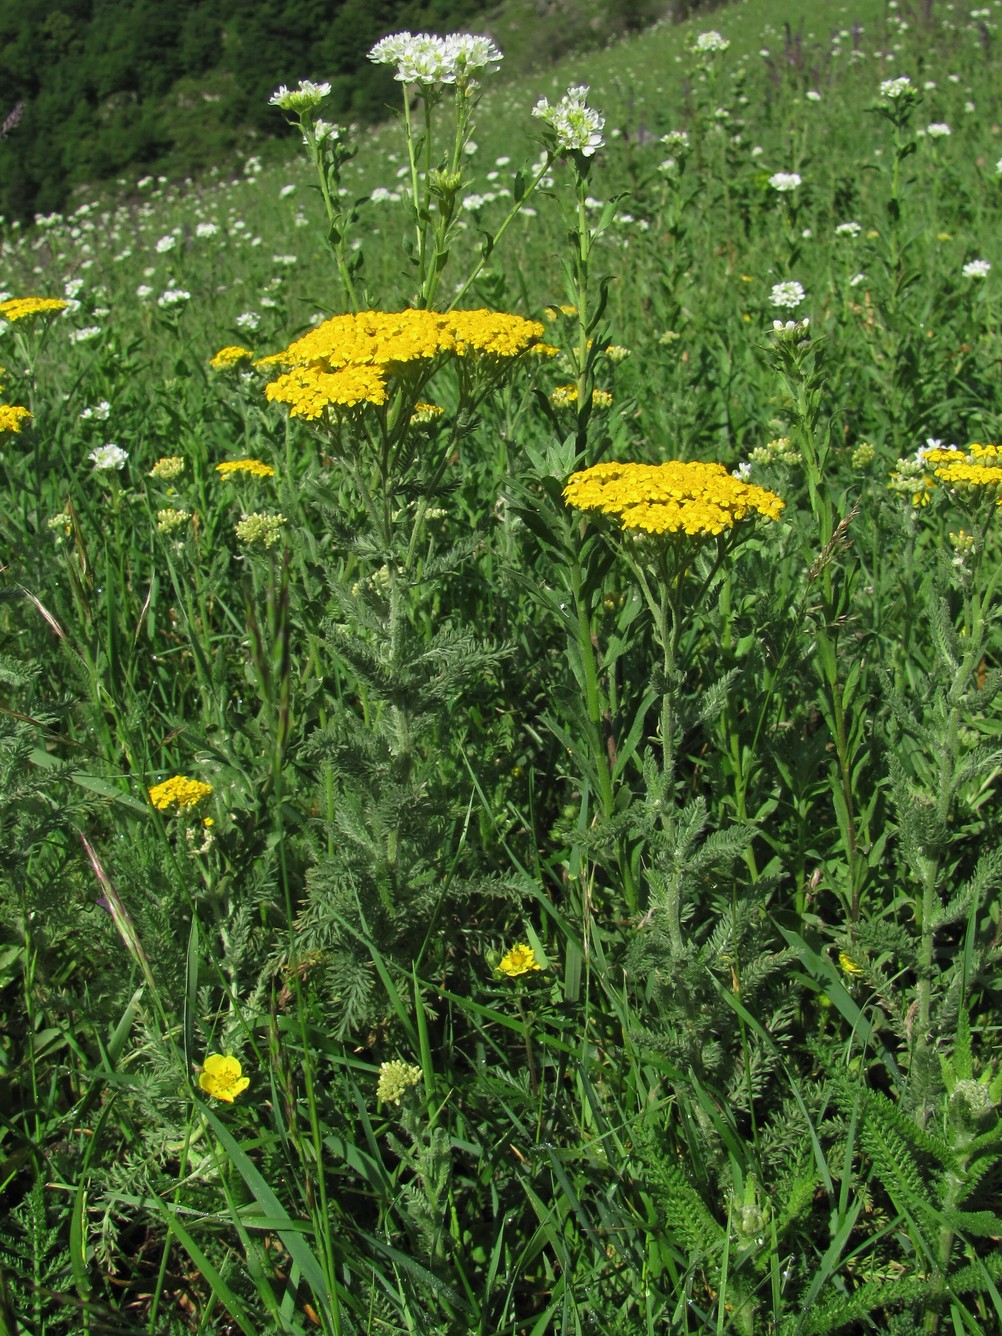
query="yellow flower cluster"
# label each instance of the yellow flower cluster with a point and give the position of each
(179, 791)
(168, 467)
(520, 959)
(254, 467)
(349, 359)
(565, 396)
(230, 356)
(673, 498)
(222, 1077)
(970, 475)
(395, 1079)
(16, 308)
(12, 416)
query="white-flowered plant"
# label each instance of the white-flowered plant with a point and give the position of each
(709, 42)
(938, 130)
(429, 61)
(110, 456)
(173, 297)
(789, 294)
(785, 182)
(896, 89)
(848, 230)
(977, 269)
(575, 127)
(304, 97)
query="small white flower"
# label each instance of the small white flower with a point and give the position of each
(848, 230)
(206, 230)
(856, 279)
(249, 320)
(784, 182)
(812, 95)
(86, 334)
(897, 88)
(675, 141)
(144, 292)
(108, 456)
(743, 471)
(302, 98)
(98, 412)
(938, 130)
(576, 127)
(709, 42)
(173, 297)
(166, 244)
(977, 269)
(789, 294)
(286, 191)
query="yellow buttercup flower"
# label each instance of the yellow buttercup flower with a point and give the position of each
(179, 791)
(222, 1077)
(520, 959)
(694, 499)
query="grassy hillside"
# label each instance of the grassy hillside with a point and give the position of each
(499, 678)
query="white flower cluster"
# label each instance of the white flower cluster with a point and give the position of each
(427, 60)
(977, 269)
(577, 128)
(897, 88)
(784, 182)
(108, 456)
(938, 130)
(789, 294)
(848, 230)
(709, 42)
(304, 97)
(676, 141)
(173, 297)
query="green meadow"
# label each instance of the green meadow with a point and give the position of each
(499, 703)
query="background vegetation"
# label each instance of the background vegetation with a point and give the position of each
(741, 806)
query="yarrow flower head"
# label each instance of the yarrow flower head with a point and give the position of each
(785, 182)
(12, 417)
(304, 97)
(259, 530)
(574, 126)
(222, 1077)
(686, 499)
(977, 269)
(108, 456)
(168, 467)
(181, 792)
(519, 960)
(170, 520)
(395, 1079)
(789, 294)
(254, 467)
(232, 355)
(18, 308)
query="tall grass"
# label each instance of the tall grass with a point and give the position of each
(601, 927)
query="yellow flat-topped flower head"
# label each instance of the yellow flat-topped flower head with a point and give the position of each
(181, 792)
(12, 417)
(222, 1077)
(230, 356)
(519, 960)
(254, 467)
(691, 499)
(18, 308)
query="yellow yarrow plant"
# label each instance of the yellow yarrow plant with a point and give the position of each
(694, 499)
(19, 308)
(12, 417)
(179, 792)
(254, 467)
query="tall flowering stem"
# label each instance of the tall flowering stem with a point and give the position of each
(661, 518)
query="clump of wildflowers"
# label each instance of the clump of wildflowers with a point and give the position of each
(977, 269)
(566, 396)
(780, 450)
(12, 417)
(304, 97)
(519, 960)
(110, 456)
(260, 530)
(900, 89)
(170, 520)
(785, 182)
(431, 61)
(254, 467)
(222, 1077)
(232, 355)
(573, 126)
(168, 467)
(395, 1079)
(789, 294)
(181, 792)
(694, 499)
(706, 43)
(970, 476)
(19, 308)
